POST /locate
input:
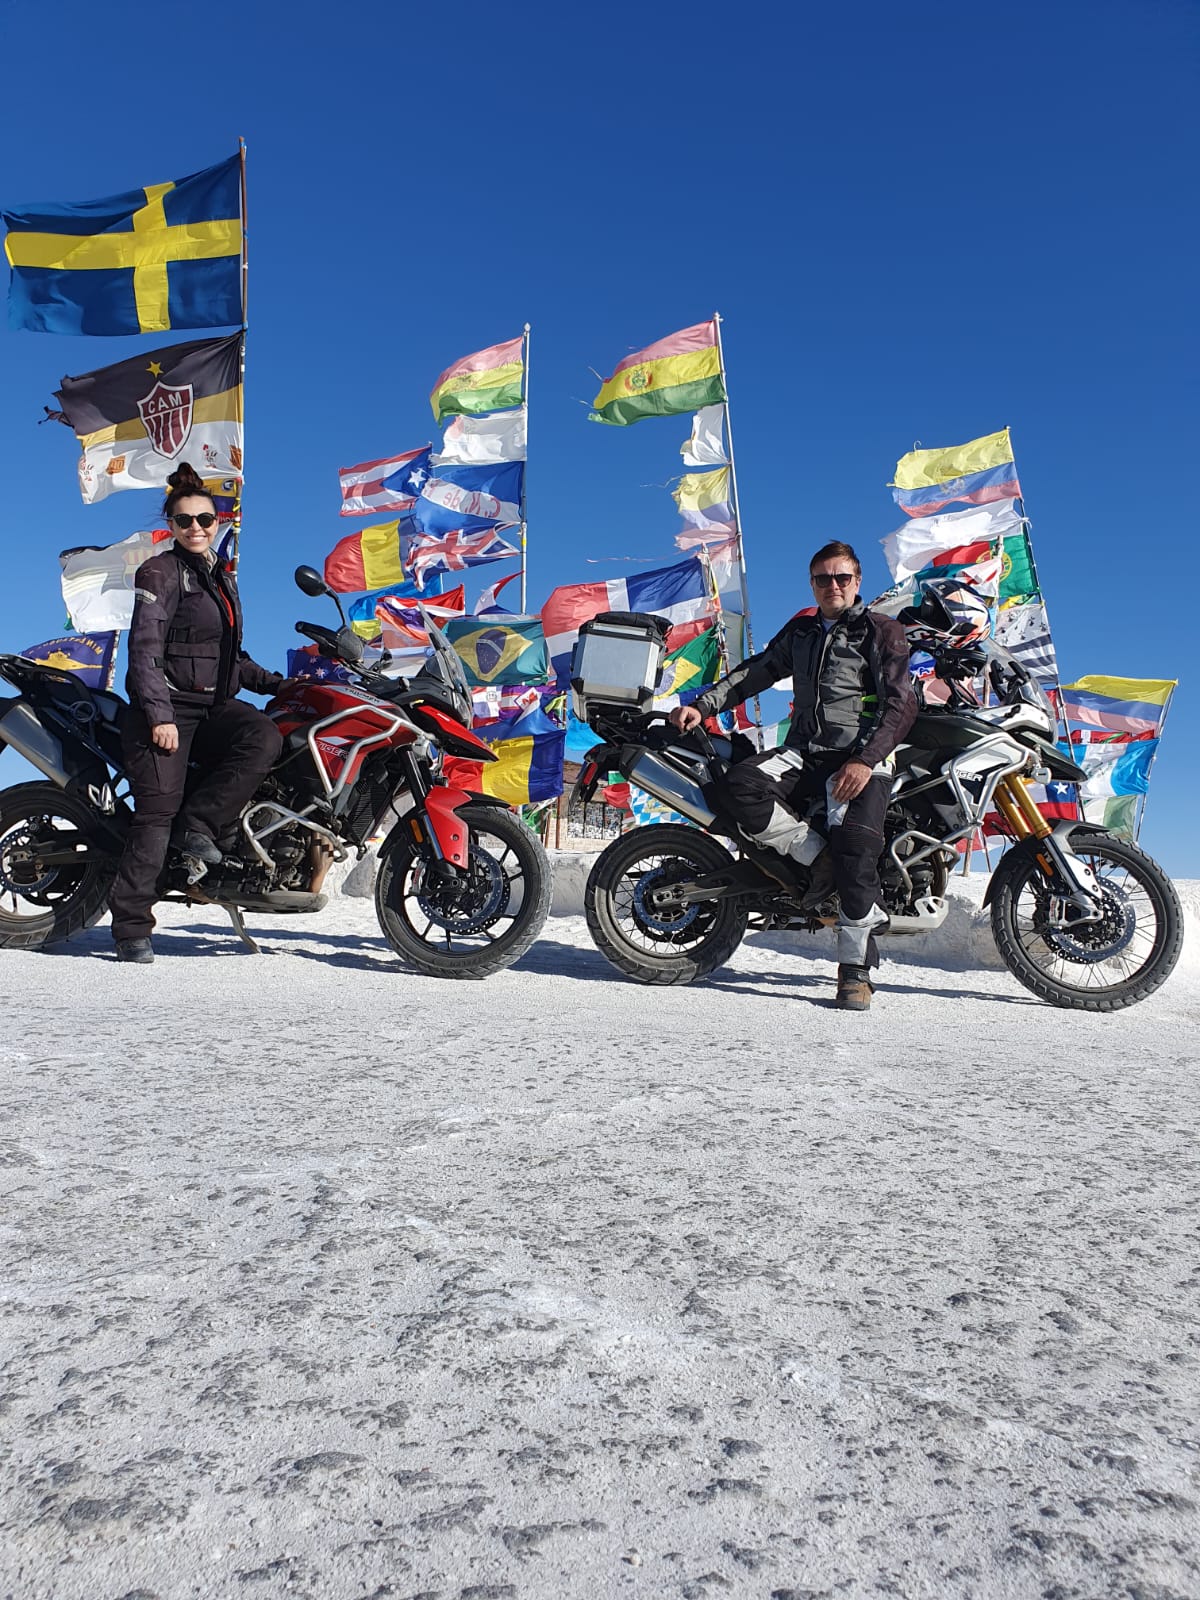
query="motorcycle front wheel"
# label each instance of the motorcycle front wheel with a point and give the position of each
(651, 945)
(54, 876)
(1098, 966)
(450, 927)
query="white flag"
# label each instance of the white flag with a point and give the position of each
(97, 582)
(921, 538)
(706, 447)
(481, 441)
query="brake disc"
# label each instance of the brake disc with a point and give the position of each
(19, 874)
(471, 908)
(1092, 942)
(663, 922)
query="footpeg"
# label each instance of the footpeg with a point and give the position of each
(194, 869)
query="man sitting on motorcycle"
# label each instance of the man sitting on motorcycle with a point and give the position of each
(853, 702)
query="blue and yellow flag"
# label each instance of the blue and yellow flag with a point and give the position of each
(166, 256)
(88, 655)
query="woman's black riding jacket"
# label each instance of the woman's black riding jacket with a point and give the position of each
(185, 642)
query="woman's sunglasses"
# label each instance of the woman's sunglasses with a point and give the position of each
(183, 521)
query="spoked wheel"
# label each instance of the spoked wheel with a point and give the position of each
(54, 875)
(653, 942)
(1091, 966)
(454, 927)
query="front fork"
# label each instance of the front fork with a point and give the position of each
(1070, 879)
(434, 818)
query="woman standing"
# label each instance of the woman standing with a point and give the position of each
(186, 665)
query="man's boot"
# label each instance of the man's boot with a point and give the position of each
(854, 988)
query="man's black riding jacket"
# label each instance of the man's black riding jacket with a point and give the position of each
(185, 642)
(852, 695)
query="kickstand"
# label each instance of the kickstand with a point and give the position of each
(239, 927)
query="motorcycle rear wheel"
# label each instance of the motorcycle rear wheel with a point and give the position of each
(676, 948)
(1097, 967)
(487, 929)
(44, 904)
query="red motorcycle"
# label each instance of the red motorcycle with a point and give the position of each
(463, 887)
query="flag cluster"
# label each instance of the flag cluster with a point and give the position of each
(1113, 728)
(164, 257)
(966, 520)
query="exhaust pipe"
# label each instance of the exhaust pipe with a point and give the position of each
(22, 730)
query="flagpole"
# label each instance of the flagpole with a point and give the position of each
(748, 634)
(525, 468)
(733, 484)
(237, 507)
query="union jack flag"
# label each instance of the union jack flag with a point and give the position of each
(452, 552)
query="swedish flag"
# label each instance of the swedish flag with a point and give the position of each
(166, 256)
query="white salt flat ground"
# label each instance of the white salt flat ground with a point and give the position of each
(321, 1279)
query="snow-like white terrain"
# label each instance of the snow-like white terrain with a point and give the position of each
(323, 1279)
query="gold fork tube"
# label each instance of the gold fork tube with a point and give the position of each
(1009, 809)
(1015, 791)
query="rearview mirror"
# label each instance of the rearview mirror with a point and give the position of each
(311, 581)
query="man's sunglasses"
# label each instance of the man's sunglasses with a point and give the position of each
(822, 580)
(183, 522)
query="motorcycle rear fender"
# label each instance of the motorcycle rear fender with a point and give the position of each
(450, 834)
(1062, 833)
(599, 761)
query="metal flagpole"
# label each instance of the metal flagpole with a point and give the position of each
(733, 484)
(748, 635)
(237, 509)
(525, 467)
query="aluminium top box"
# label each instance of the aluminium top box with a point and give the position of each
(617, 660)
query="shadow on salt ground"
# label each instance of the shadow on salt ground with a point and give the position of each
(793, 982)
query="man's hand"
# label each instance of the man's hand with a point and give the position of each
(851, 780)
(166, 736)
(685, 718)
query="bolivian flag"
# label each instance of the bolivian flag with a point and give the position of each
(166, 256)
(138, 420)
(680, 373)
(488, 380)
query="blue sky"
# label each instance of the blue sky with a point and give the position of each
(919, 223)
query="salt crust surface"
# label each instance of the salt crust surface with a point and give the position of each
(318, 1278)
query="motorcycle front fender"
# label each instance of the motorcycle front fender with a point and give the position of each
(450, 834)
(1061, 834)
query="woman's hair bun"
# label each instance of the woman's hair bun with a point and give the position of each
(184, 481)
(185, 476)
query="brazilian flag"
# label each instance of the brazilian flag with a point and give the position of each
(500, 650)
(166, 256)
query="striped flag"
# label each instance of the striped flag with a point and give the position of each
(362, 486)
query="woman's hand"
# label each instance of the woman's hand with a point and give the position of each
(165, 735)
